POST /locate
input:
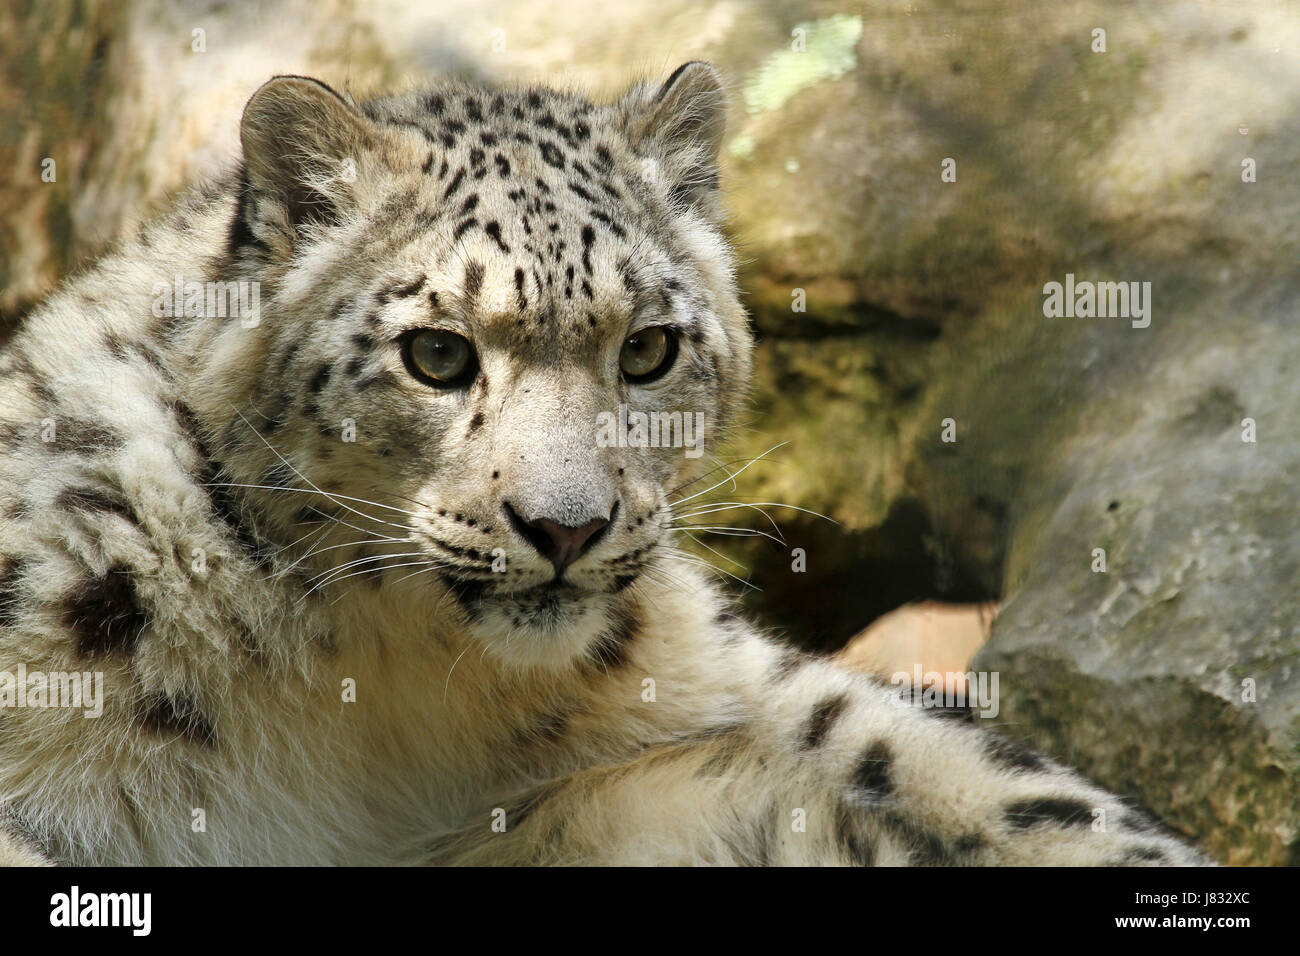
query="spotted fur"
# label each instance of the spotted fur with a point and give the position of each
(312, 581)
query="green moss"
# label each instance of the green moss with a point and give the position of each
(827, 54)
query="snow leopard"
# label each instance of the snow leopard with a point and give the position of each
(306, 475)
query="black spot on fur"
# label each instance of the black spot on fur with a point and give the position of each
(924, 847)
(493, 229)
(1059, 810)
(104, 614)
(177, 716)
(968, 846)
(588, 237)
(848, 831)
(581, 193)
(102, 500)
(822, 721)
(464, 227)
(551, 153)
(11, 571)
(609, 224)
(957, 714)
(476, 422)
(871, 777)
(467, 594)
(612, 649)
(228, 509)
(455, 183)
(1012, 755)
(410, 289)
(319, 380)
(520, 296)
(87, 436)
(1144, 854)
(240, 235)
(550, 728)
(473, 280)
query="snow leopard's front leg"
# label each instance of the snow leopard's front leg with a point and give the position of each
(827, 768)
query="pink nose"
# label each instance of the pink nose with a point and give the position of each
(558, 543)
(561, 544)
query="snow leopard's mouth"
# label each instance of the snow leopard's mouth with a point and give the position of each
(540, 600)
(550, 594)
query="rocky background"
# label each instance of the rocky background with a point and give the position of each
(1174, 674)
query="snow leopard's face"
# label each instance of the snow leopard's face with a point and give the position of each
(500, 327)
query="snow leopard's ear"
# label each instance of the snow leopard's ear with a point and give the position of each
(302, 144)
(677, 127)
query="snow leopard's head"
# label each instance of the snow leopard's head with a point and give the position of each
(498, 328)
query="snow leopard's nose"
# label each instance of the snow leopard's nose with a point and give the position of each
(559, 543)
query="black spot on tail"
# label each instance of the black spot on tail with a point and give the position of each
(849, 832)
(871, 777)
(104, 614)
(1061, 811)
(1012, 755)
(1145, 854)
(924, 847)
(822, 720)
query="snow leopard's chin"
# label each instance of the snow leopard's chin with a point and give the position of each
(548, 627)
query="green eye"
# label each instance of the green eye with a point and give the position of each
(439, 357)
(648, 354)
